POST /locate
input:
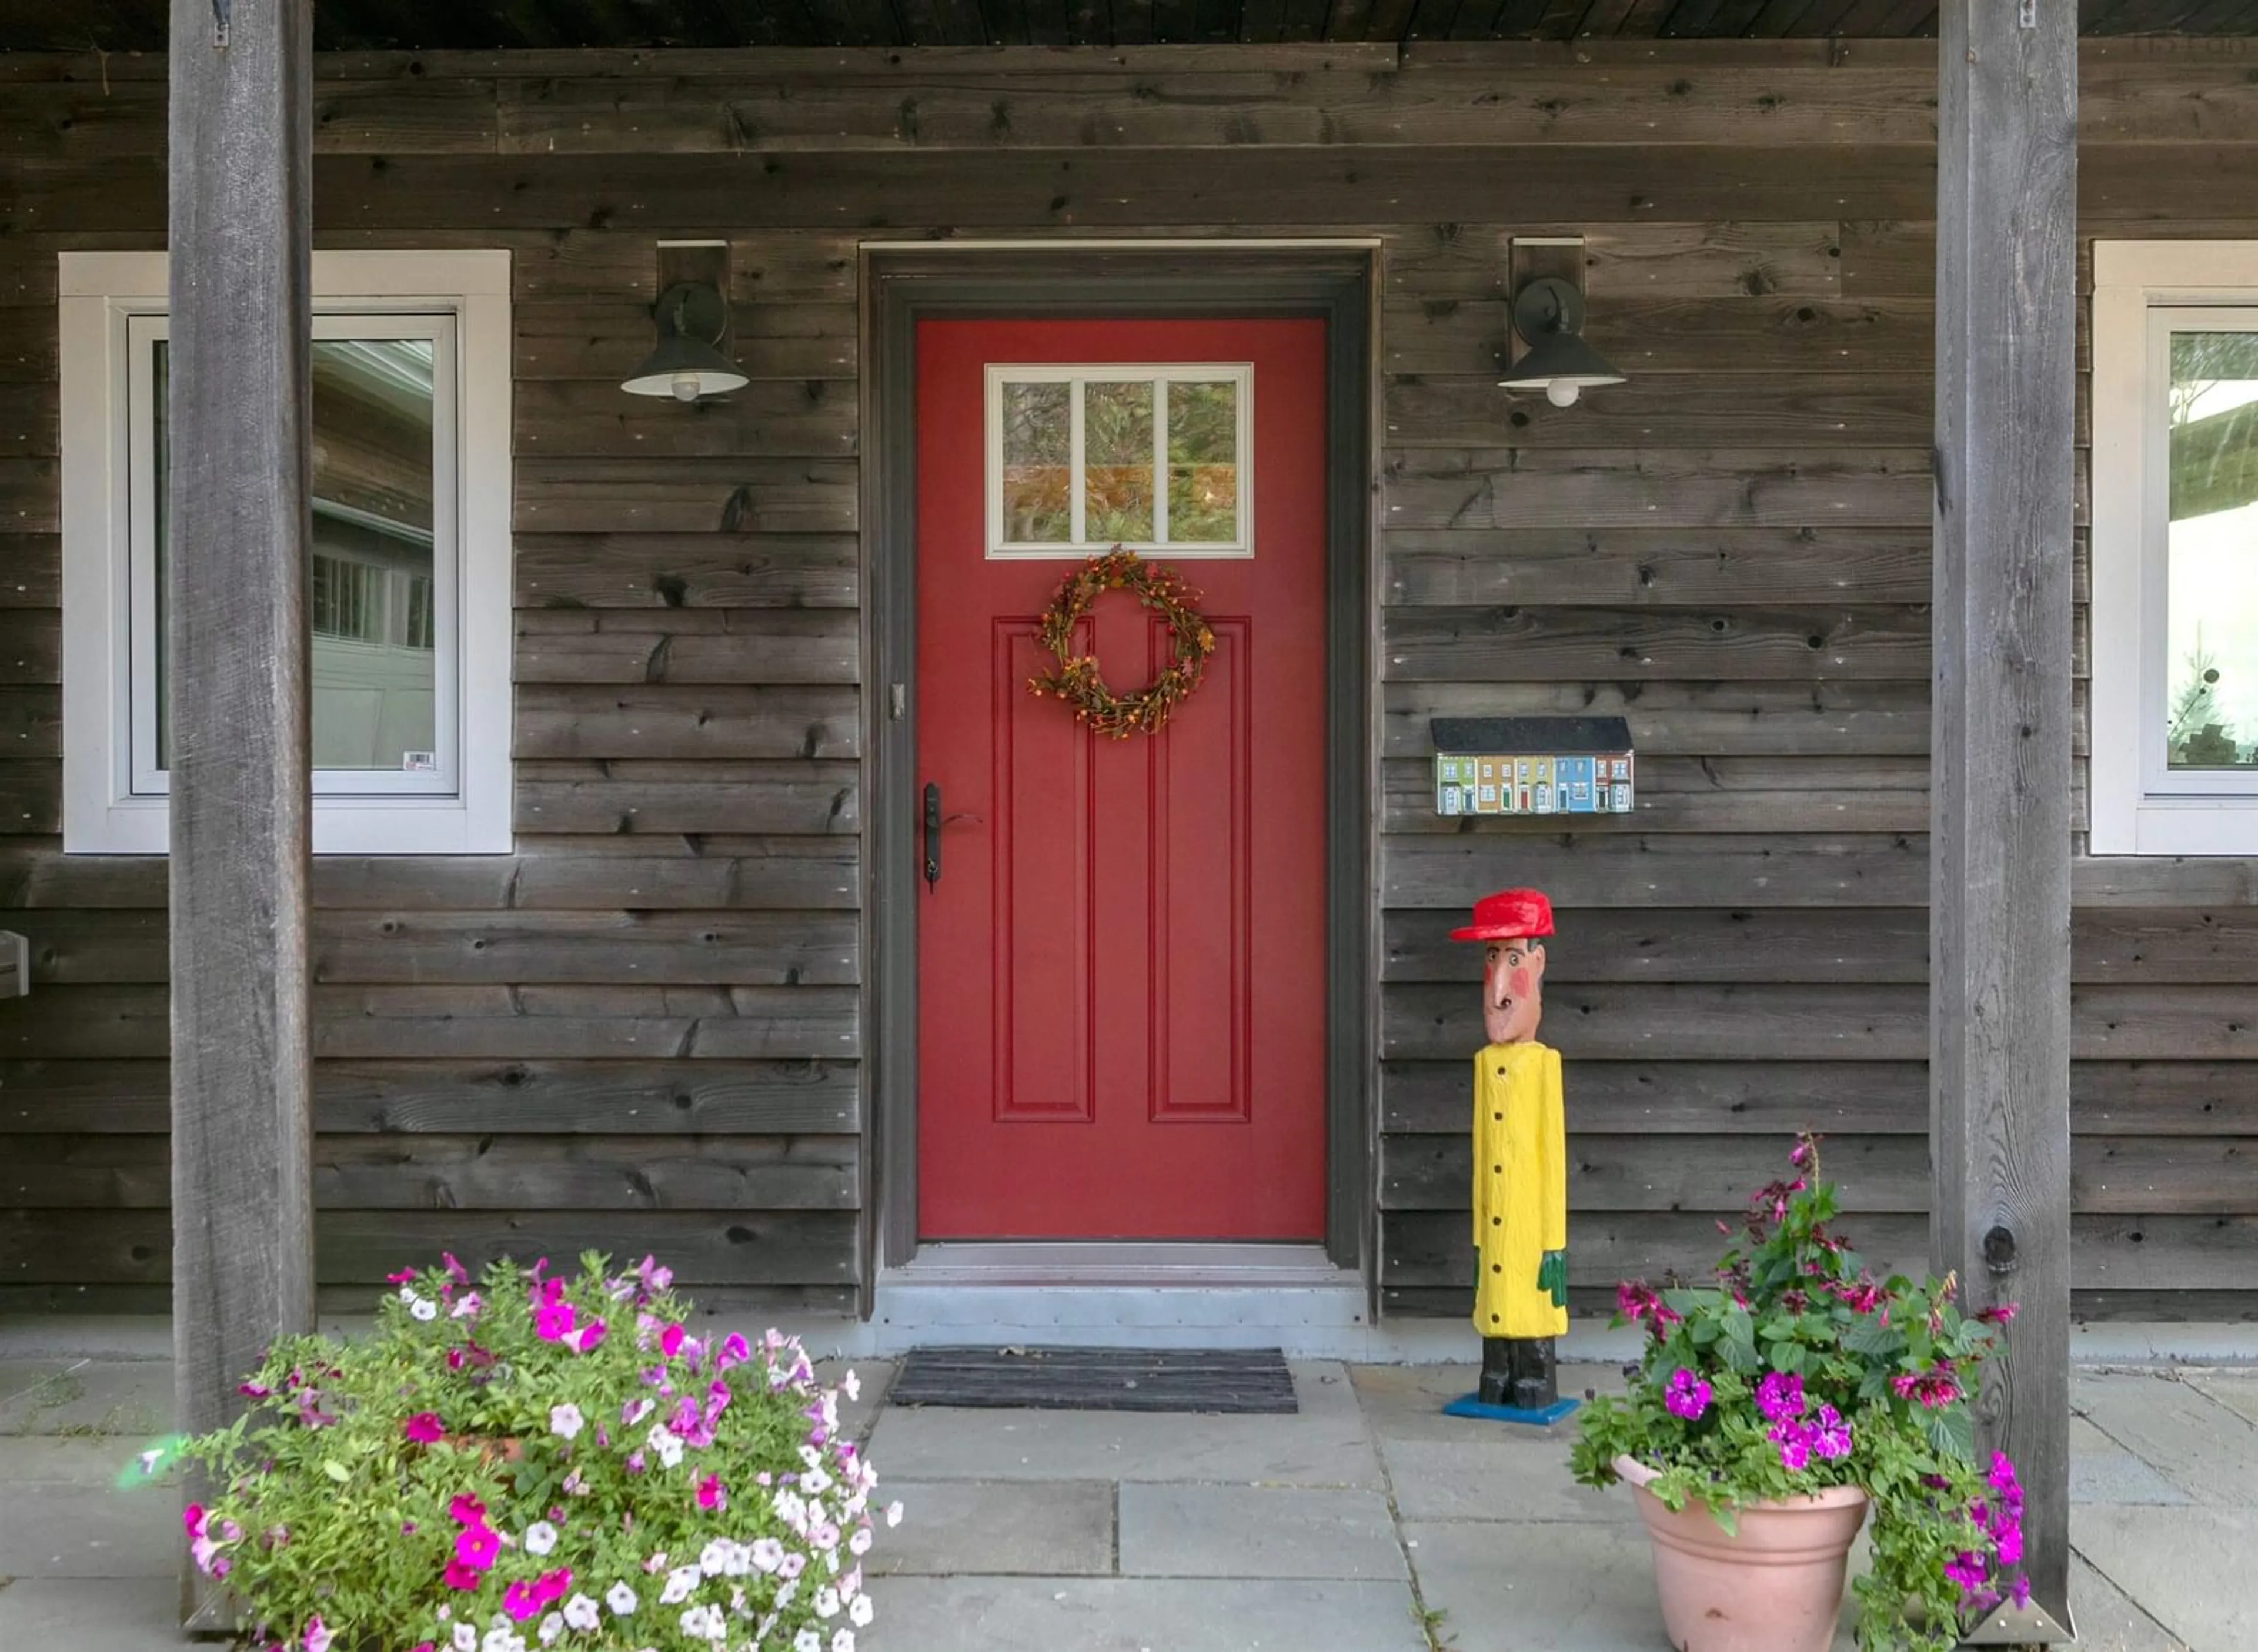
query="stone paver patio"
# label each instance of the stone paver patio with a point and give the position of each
(1368, 1523)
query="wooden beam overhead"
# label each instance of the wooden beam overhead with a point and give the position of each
(241, 142)
(1999, 1012)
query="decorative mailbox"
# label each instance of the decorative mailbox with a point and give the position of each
(1532, 765)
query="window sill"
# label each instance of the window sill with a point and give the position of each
(2179, 826)
(361, 826)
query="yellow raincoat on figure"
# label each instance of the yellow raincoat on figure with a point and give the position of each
(1521, 1180)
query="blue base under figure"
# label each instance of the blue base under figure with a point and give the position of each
(1471, 1406)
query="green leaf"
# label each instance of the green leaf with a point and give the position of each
(1870, 1335)
(336, 1470)
(1951, 1432)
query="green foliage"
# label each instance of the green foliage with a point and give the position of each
(1797, 1370)
(537, 1463)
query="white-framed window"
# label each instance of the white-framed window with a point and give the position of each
(2174, 767)
(1081, 458)
(409, 577)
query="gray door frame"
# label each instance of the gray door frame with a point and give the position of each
(902, 287)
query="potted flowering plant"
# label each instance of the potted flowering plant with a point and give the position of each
(1771, 1407)
(531, 1461)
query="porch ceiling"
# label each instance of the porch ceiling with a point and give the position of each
(119, 26)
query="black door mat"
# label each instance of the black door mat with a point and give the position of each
(1234, 1382)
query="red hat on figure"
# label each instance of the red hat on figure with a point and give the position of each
(1511, 914)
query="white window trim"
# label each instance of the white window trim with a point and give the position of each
(2137, 806)
(1241, 374)
(102, 814)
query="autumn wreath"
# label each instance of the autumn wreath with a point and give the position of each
(1077, 680)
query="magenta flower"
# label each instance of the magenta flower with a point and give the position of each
(1793, 1440)
(318, 1635)
(552, 1585)
(477, 1546)
(710, 1493)
(552, 1321)
(1687, 1396)
(1934, 1389)
(424, 1427)
(1830, 1436)
(585, 1339)
(521, 1601)
(669, 1341)
(466, 1510)
(735, 1351)
(405, 1276)
(456, 1270)
(458, 1575)
(1966, 1569)
(192, 1519)
(1781, 1396)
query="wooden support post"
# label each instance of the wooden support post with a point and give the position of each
(239, 403)
(1999, 997)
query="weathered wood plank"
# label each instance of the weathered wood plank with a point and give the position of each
(2008, 197)
(1496, 488)
(666, 948)
(30, 570)
(2164, 1098)
(1610, 869)
(30, 421)
(1708, 795)
(31, 723)
(1684, 719)
(32, 797)
(1704, 260)
(510, 1098)
(1636, 1020)
(29, 348)
(655, 494)
(2175, 881)
(685, 645)
(1684, 1098)
(1665, 410)
(606, 341)
(2218, 945)
(812, 418)
(1540, 643)
(1096, 188)
(2156, 1022)
(31, 494)
(543, 1022)
(2179, 1176)
(627, 798)
(360, 1247)
(1706, 943)
(730, 872)
(90, 124)
(1430, 1248)
(471, 1173)
(1422, 104)
(1884, 260)
(1671, 1172)
(686, 571)
(686, 720)
(1774, 334)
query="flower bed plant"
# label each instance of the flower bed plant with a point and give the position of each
(1797, 1370)
(527, 1461)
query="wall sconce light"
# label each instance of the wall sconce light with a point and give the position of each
(1548, 313)
(687, 363)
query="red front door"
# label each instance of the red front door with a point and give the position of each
(1121, 965)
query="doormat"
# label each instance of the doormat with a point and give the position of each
(1235, 1382)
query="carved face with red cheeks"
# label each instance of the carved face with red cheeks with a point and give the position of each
(1513, 989)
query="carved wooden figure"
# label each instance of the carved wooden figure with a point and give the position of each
(1520, 1169)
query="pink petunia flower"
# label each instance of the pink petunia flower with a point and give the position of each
(1780, 1396)
(466, 1510)
(585, 1339)
(477, 1546)
(318, 1635)
(712, 1494)
(424, 1427)
(458, 1575)
(669, 1341)
(551, 1320)
(521, 1601)
(1688, 1395)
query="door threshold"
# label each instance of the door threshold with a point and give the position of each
(1148, 1264)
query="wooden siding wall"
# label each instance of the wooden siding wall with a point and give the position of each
(639, 1031)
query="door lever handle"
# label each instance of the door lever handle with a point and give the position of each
(931, 834)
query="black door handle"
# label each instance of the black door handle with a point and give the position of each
(931, 834)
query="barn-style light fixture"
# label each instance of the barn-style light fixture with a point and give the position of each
(686, 364)
(1548, 313)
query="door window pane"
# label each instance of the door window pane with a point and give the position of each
(1118, 463)
(1202, 463)
(371, 577)
(1038, 463)
(2211, 573)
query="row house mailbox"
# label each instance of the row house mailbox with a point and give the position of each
(1532, 765)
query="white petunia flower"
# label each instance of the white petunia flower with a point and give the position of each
(679, 1583)
(851, 1385)
(811, 1456)
(551, 1627)
(792, 1565)
(785, 1594)
(504, 1639)
(768, 1554)
(620, 1599)
(739, 1561)
(894, 1514)
(807, 1640)
(849, 1585)
(565, 1420)
(815, 1482)
(423, 1308)
(408, 1295)
(580, 1611)
(826, 1602)
(859, 1612)
(859, 1542)
(466, 1638)
(540, 1537)
(666, 1444)
(714, 1559)
(844, 1642)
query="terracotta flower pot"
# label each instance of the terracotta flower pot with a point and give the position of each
(1773, 1586)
